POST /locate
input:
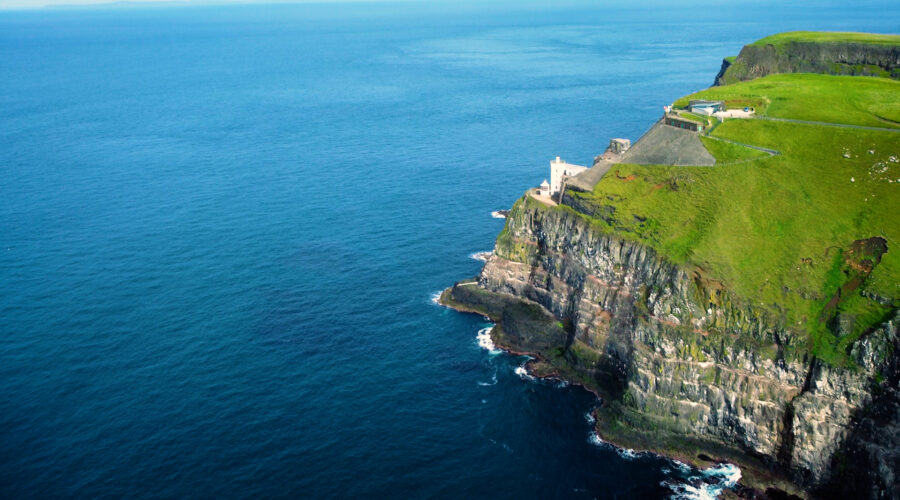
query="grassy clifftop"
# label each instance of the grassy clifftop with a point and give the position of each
(812, 234)
(871, 102)
(782, 39)
(815, 52)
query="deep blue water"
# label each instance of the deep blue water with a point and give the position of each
(221, 228)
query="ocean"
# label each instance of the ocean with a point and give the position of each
(222, 228)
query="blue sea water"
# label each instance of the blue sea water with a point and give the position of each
(221, 229)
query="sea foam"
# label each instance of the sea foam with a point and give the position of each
(484, 340)
(481, 256)
(625, 453)
(708, 485)
(523, 373)
(492, 382)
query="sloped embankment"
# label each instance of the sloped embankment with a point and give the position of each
(665, 145)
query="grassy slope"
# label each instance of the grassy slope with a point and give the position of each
(753, 225)
(836, 99)
(828, 37)
(726, 153)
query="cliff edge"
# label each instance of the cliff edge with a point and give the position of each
(815, 52)
(746, 311)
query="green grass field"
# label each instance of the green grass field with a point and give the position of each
(828, 37)
(727, 153)
(852, 100)
(778, 230)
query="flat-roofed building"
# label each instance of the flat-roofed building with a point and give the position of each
(706, 107)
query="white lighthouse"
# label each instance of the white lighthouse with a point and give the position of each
(559, 170)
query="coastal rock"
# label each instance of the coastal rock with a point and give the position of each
(673, 352)
(835, 58)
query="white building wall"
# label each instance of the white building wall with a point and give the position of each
(560, 169)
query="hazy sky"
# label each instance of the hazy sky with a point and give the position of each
(20, 4)
(29, 4)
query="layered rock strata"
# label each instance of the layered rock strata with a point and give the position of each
(845, 58)
(674, 353)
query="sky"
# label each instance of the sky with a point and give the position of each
(41, 4)
(36, 4)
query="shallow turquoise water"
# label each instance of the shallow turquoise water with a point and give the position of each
(221, 228)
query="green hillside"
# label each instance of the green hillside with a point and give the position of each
(798, 233)
(852, 100)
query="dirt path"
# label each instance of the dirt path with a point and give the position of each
(543, 199)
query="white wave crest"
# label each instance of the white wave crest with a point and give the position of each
(708, 485)
(481, 256)
(625, 453)
(683, 467)
(436, 298)
(497, 215)
(589, 417)
(523, 373)
(485, 342)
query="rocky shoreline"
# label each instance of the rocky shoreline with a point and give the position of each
(758, 482)
(684, 369)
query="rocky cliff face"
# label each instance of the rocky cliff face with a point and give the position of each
(756, 61)
(674, 353)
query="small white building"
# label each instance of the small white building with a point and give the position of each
(544, 190)
(560, 170)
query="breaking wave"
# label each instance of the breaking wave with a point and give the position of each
(498, 214)
(481, 256)
(707, 484)
(484, 340)
(688, 483)
(625, 453)
(523, 373)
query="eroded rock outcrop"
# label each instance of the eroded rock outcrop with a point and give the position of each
(845, 58)
(673, 353)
